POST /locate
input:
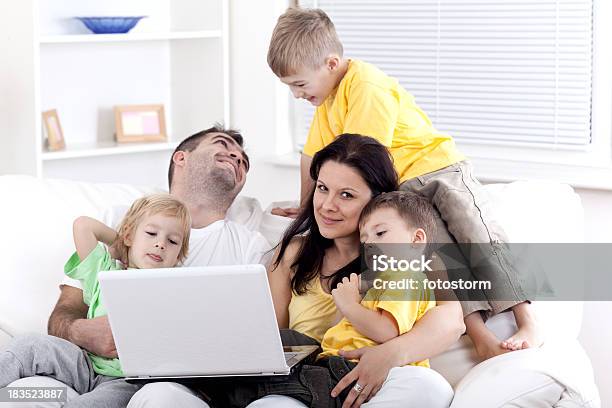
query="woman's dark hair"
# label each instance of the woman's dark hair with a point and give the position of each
(375, 165)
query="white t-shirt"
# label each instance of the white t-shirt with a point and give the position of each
(220, 243)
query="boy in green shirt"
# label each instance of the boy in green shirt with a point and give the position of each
(153, 234)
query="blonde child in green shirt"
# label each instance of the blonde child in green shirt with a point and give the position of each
(352, 96)
(153, 234)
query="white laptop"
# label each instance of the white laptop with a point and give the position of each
(196, 322)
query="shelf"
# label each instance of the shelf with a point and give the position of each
(180, 50)
(105, 38)
(105, 149)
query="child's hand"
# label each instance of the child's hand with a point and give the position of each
(88, 232)
(346, 293)
(115, 253)
(286, 212)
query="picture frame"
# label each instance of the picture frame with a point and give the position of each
(53, 128)
(140, 123)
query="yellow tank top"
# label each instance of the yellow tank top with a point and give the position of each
(313, 312)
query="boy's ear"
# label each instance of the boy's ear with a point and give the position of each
(332, 62)
(419, 236)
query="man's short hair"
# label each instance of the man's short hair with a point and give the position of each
(413, 208)
(192, 142)
(302, 38)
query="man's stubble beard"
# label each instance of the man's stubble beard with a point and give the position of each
(210, 184)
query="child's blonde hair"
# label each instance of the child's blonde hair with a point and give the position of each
(153, 204)
(302, 38)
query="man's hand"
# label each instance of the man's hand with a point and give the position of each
(68, 321)
(286, 212)
(94, 335)
(346, 294)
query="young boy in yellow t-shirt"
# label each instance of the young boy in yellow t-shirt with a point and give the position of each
(385, 312)
(352, 96)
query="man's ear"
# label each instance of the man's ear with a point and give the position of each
(419, 236)
(178, 158)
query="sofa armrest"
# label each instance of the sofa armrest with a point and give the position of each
(4, 339)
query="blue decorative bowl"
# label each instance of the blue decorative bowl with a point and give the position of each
(110, 25)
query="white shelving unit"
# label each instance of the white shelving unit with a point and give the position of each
(106, 149)
(79, 38)
(176, 56)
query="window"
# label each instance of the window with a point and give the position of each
(499, 76)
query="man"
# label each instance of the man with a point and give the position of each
(207, 171)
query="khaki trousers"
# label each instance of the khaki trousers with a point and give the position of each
(464, 215)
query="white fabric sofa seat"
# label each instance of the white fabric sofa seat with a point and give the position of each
(36, 217)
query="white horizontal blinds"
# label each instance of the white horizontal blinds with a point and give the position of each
(486, 71)
(302, 117)
(515, 71)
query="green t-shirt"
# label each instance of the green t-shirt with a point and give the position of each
(86, 272)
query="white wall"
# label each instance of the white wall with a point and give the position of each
(256, 105)
(598, 214)
(596, 334)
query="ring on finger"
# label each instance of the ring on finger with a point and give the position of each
(358, 388)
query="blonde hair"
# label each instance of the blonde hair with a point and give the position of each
(150, 205)
(302, 38)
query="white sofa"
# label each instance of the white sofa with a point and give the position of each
(36, 239)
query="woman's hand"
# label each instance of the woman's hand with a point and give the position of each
(370, 373)
(346, 294)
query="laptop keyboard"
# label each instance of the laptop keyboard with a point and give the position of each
(289, 355)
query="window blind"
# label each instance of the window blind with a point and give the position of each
(488, 71)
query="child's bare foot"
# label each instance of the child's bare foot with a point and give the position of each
(529, 333)
(489, 347)
(486, 343)
(527, 336)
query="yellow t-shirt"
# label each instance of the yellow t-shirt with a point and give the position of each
(370, 103)
(406, 307)
(313, 312)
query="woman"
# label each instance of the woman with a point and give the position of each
(323, 239)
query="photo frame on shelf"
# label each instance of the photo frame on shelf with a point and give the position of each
(53, 128)
(140, 123)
